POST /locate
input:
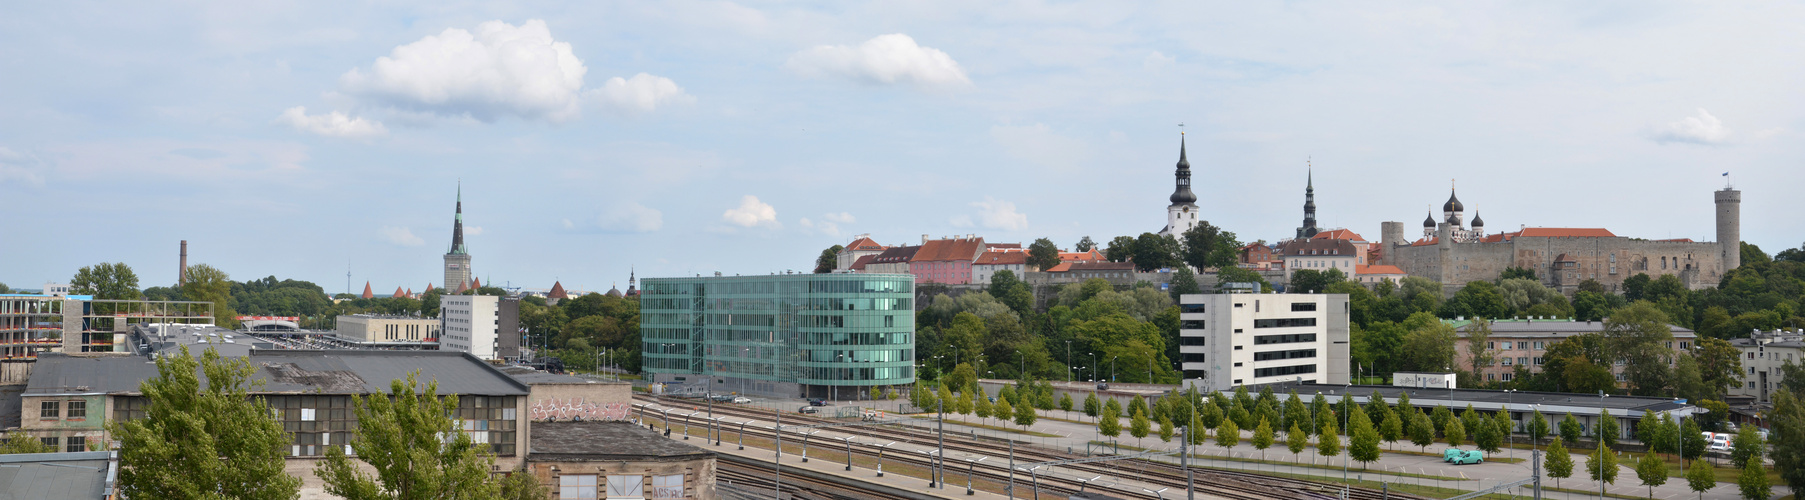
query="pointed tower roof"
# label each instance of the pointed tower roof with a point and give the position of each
(476, 283)
(457, 226)
(428, 287)
(410, 292)
(1182, 195)
(558, 291)
(367, 293)
(1429, 221)
(399, 293)
(462, 287)
(632, 283)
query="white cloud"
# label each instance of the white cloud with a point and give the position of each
(641, 94)
(473, 230)
(998, 214)
(1155, 60)
(750, 213)
(1702, 129)
(842, 217)
(19, 168)
(823, 227)
(631, 217)
(401, 236)
(334, 124)
(884, 60)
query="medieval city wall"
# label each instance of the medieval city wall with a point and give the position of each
(1608, 260)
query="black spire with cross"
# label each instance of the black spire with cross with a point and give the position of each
(1182, 195)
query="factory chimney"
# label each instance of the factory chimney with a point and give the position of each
(182, 278)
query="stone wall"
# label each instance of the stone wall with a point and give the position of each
(1610, 260)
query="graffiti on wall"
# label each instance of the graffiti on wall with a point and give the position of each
(568, 409)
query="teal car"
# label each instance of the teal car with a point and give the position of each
(1448, 455)
(1469, 457)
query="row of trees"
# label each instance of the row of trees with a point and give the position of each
(1128, 335)
(1015, 404)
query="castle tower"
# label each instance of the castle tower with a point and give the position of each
(1309, 228)
(457, 261)
(1181, 215)
(1729, 226)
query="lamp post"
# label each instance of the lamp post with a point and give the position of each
(1346, 408)
(805, 438)
(1601, 396)
(743, 434)
(973, 467)
(1094, 367)
(848, 452)
(1509, 394)
(931, 475)
(1068, 361)
(880, 458)
(1112, 368)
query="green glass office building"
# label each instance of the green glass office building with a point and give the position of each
(789, 335)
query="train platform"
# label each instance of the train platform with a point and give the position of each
(825, 462)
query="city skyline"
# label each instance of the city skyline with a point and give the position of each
(687, 138)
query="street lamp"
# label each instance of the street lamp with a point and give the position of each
(1601, 396)
(1094, 367)
(880, 458)
(848, 452)
(973, 467)
(805, 437)
(1112, 368)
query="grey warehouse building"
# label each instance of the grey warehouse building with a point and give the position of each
(814, 335)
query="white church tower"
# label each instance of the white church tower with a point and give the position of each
(1181, 215)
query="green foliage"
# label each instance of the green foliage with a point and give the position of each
(1606, 430)
(1479, 299)
(1747, 447)
(1004, 410)
(1228, 434)
(1165, 428)
(1488, 436)
(1235, 274)
(1328, 444)
(1085, 244)
(1559, 462)
(1430, 344)
(1296, 439)
(1024, 415)
(1110, 423)
(1787, 436)
(1422, 430)
(1120, 249)
(1136, 405)
(1138, 426)
(1153, 252)
(980, 405)
(200, 439)
(1392, 428)
(402, 436)
(1522, 273)
(1313, 281)
(1009, 289)
(1455, 433)
(1207, 246)
(20, 442)
(829, 259)
(1294, 411)
(1092, 407)
(1700, 477)
(1184, 282)
(1065, 402)
(1363, 439)
(1692, 441)
(1263, 437)
(1638, 335)
(113, 281)
(1538, 427)
(1753, 482)
(1570, 429)
(522, 485)
(1043, 254)
(1652, 470)
(1603, 461)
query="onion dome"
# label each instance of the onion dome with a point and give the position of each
(1429, 222)
(1453, 204)
(1478, 222)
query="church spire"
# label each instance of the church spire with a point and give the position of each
(1182, 195)
(457, 226)
(1309, 228)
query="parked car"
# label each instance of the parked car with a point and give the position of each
(1449, 454)
(1719, 442)
(1103, 386)
(1469, 457)
(808, 410)
(742, 400)
(817, 402)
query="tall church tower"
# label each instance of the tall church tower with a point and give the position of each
(457, 261)
(1309, 228)
(1181, 215)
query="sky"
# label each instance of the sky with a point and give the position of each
(305, 140)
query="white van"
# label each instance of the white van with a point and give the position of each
(1720, 441)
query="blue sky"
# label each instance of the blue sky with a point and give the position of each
(297, 139)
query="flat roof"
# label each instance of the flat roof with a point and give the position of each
(605, 441)
(531, 376)
(55, 475)
(285, 371)
(1521, 327)
(1486, 399)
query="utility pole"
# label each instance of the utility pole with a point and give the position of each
(1184, 462)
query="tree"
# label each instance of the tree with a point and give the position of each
(1003, 409)
(1313, 281)
(1296, 440)
(1422, 431)
(1263, 437)
(1666, 436)
(1091, 406)
(1430, 344)
(20, 442)
(110, 281)
(1638, 335)
(1136, 404)
(1604, 462)
(1328, 444)
(209, 284)
(1363, 439)
(403, 436)
(1559, 462)
(1517, 273)
(1606, 430)
(1139, 427)
(948, 403)
(981, 405)
(1065, 401)
(1109, 424)
(963, 403)
(1747, 447)
(1479, 352)
(1570, 429)
(203, 441)
(1011, 291)
(1085, 244)
(1152, 252)
(1042, 254)
(1488, 436)
(1024, 415)
(1228, 434)
(1700, 477)
(829, 260)
(1184, 282)
(1538, 427)
(1753, 482)
(1165, 428)
(1441, 418)
(1719, 365)
(1207, 246)
(1455, 433)
(522, 485)
(1692, 441)
(1391, 429)
(1652, 470)
(1787, 420)
(1121, 249)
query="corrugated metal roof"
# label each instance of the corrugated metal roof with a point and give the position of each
(287, 371)
(53, 475)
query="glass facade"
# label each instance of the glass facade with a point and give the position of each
(837, 330)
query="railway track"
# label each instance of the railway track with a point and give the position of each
(1226, 484)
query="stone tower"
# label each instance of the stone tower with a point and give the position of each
(457, 261)
(1729, 226)
(1181, 215)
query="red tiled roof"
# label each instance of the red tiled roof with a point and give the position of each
(859, 265)
(1102, 266)
(558, 291)
(1093, 255)
(1566, 232)
(1377, 269)
(398, 292)
(1001, 258)
(476, 283)
(953, 250)
(864, 244)
(1338, 234)
(1426, 242)
(367, 293)
(1060, 268)
(1675, 240)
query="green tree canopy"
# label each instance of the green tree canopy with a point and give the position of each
(106, 280)
(403, 436)
(203, 440)
(829, 259)
(1043, 254)
(1207, 246)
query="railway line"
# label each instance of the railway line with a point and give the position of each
(906, 443)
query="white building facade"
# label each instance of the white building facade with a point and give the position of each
(1763, 353)
(1229, 340)
(471, 324)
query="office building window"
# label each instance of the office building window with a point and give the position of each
(1303, 306)
(53, 409)
(576, 487)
